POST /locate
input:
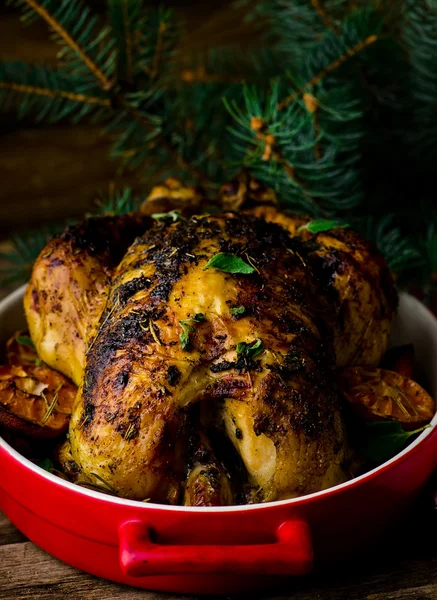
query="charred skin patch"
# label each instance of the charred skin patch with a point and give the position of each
(106, 235)
(129, 289)
(173, 375)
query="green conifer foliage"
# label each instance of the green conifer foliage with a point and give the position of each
(334, 106)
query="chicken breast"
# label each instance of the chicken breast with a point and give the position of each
(252, 348)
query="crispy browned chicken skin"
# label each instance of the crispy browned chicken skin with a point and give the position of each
(357, 286)
(69, 287)
(129, 425)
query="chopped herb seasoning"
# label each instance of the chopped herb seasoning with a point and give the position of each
(187, 328)
(131, 432)
(237, 311)
(249, 350)
(51, 408)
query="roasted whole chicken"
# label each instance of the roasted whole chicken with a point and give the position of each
(205, 345)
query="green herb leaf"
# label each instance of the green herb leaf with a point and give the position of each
(187, 329)
(383, 439)
(322, 225)
(251, 349)
(26, 341)
(46, 464)
(229, 263)
(237, 311)
(185, 340)
(175, 215)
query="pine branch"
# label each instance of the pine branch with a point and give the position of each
(308, 146)
(298, 27)
(228, 65)
(398, 249)
(87, 49)
(141, 137)
(332, 66)
(45, 93)
(127, 22)
(419, 34)
(157, 44)
(117, 202)
(312, 163)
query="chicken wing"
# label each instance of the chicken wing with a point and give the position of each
(69, 287)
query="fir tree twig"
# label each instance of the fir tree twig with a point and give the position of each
(72, 25)
(39, 91)
(335, 64)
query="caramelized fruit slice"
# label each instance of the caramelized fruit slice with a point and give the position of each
(378, 395)
(35, 401)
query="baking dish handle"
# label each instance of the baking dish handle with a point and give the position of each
(290, 554)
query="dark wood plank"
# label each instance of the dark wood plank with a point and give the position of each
(8, 533)
(49, 175)
(28, 573)
(36, 575)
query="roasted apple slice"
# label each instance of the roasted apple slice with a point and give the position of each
(378, 395)
(35, 401)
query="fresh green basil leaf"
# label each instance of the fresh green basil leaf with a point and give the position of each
(322, 225)
(26, 341)
(229, 263)
(384, 439)
(46, 464)
(250, 349)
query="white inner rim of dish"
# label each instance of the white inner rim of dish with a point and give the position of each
(413, 319)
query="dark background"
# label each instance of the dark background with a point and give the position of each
(50, 173)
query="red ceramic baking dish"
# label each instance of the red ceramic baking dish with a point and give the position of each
(218, 550)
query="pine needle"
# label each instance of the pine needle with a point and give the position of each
(51, 408)
(68, 11)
